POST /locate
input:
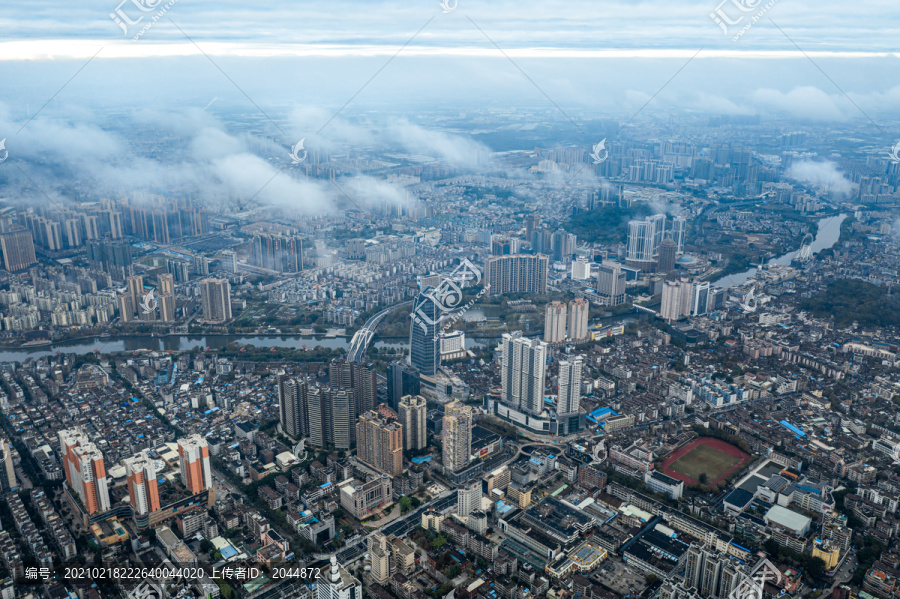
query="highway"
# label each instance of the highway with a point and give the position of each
(361, 339)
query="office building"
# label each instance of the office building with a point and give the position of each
(337, 583)
(701, 299)
(679, 229)
(379, 443)
(516, 274)
(8, 472)
(555, 322)
(468, 498)
(569, 396)
(522, 372)
(142, 490)
(611, 284)
(667, 255)
(196, 471)
(85, 470)
(215, 297)
(457, 436)
(402, 380)
(18, 250)
(577, 319)
(424, 340)
(413, 417)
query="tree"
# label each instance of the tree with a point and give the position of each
(438, 542)
(405, 504)
(702, 478)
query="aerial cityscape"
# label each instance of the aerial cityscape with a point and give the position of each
(449, 300)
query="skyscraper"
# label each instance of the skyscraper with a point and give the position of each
(677, 299)
(292, 406)
(424, 341)
(330, 417)
(611, 284)
(563, 245)
(501, 246)
(196, 472)
(85, 470)
(644, 237)
(18, 250)
(457, 436)
(402, 380)
(342, 419)
(577, 325)
(215, 296)
(413, 411)
(338, 583)
(516, 274)
(569, 397)
(679, 229)
(522, 372)
(555, 322)
(112, 257)
(277, 252)
(581, 269)
(360, 380)
(701, 295)
(379, 443)
(142, 490)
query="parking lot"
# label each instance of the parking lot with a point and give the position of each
(619, 577)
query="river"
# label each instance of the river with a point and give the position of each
(828, 234)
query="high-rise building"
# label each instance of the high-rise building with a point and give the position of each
(677, 300)
(142, 490)
(379, 443)
(330, 417)
(468, 498)
(277, 252)
(581, 269)
(701, 299)
(215, 296)
(8, 472)
(532, 222)
(522, 372)
(667, 254)
(611, 284)
(501, 246)
(457, 436)
(555, 322)
(166, 298)
(516, 274)
(402, 380)
(380, 557)
(18, 250)
(85, 470)
(563, 245)
(577, 325)
(196, 471)
(292, 406)
(711, 574)
(644, 237)
(413, 411)
(424, 340)
(112, 257)
(569, 397)
(679, 229)
(338, 583)
(360, 380)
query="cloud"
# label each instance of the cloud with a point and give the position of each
(804, 102)
(820, 174)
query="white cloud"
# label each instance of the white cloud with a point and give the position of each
(820, 174)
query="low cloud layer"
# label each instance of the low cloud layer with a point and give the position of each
(821, 174)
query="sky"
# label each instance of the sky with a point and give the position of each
(75, 75)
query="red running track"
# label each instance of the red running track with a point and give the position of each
(709, 442)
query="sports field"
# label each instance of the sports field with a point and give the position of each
(717, 459)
